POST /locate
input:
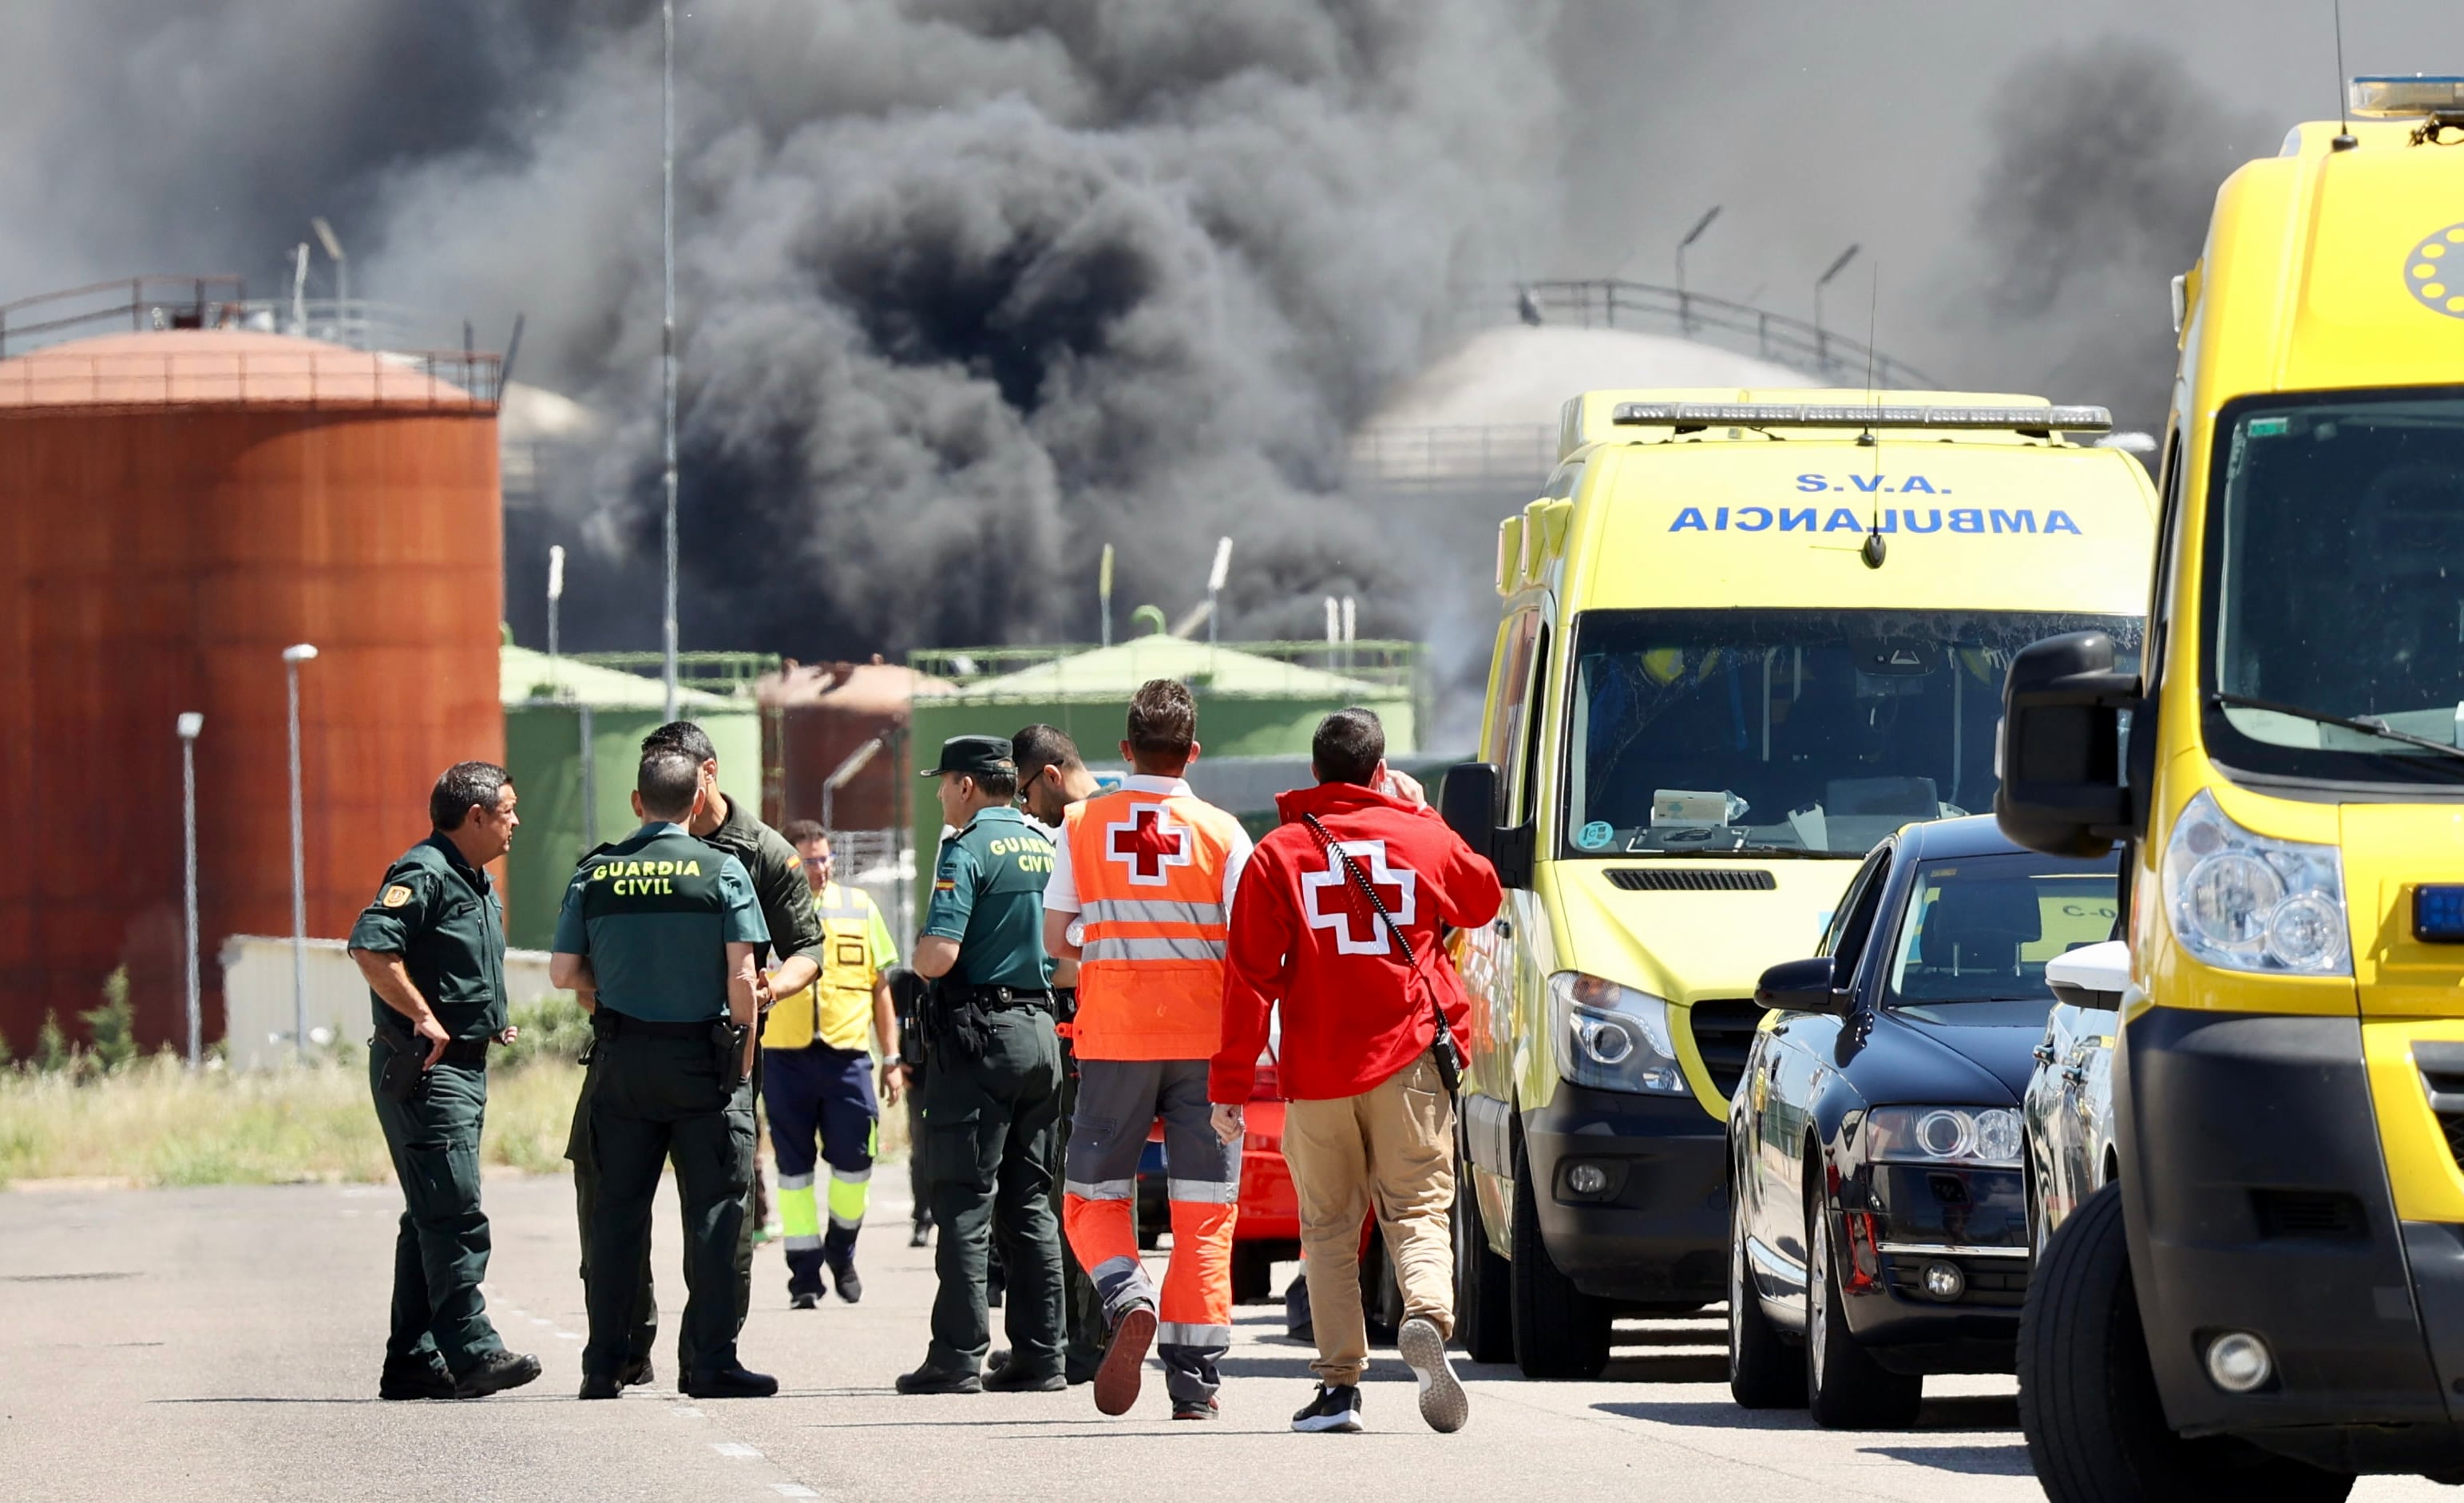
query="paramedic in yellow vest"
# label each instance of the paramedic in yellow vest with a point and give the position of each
(1145, 874)
(818, 1077)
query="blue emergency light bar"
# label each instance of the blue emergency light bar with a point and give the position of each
(1789, 414)
(2402, 96)
(2438, 913)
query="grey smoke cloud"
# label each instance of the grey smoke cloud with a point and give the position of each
(972, 286)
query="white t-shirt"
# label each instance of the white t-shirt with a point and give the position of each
(1061, 890)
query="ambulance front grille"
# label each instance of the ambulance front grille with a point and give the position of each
(1724, 1034)
(1690, 879)
(2442, 1080)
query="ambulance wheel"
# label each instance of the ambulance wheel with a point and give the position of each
(1253, 1273)
(1484, 1302)
(2087, 1397)
(1765, 1371)
(1560, 1330)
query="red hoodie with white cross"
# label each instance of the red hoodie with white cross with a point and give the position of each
(1304, 935)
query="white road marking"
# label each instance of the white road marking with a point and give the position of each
(686, 1412)
(542, 1320)
(793, 1489)
(736, 1448)
(566, 1336)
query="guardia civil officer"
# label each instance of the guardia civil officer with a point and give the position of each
(432, 949)
(663, 929)
(992, 1096)
(794, 944)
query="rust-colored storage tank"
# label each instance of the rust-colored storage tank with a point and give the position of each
(816, 714)
(175, 509)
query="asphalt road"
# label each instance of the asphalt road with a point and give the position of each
(224, 1343)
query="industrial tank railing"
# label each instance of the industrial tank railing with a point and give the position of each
(132, 304)
(1611, 303)
(449, 381)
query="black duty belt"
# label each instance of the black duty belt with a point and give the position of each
(1004, 999)
(624, 1024)
(458, 1052)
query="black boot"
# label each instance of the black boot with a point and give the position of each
(496, 1372)
(635, 1372)
(411, 1378)
(928, 1379)
(731, 1382)
(598, 1385)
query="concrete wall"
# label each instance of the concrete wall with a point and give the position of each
(258, 1011)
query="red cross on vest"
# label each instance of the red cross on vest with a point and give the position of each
(1146, 841)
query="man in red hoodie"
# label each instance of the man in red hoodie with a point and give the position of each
(1340, 920)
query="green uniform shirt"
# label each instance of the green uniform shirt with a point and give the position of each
(655, 914)
(778, 883)
(440, 914)
(988, 894)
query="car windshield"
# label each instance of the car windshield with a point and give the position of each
(2336, 577)
(1981, 928)
(1788, 732)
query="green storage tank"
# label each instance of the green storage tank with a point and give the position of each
(573, 742)
(1254, 700)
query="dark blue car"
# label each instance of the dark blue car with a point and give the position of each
(1877, 1208)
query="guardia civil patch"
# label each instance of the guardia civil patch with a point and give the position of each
(396, 895)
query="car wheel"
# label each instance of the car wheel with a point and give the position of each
(1763, 1372)
(1560, 1330)
(1844, 1388)
(2087, 1397)
(1484, 1311)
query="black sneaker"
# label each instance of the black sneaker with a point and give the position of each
(1334, 1411)
(803, 1299)
(408, 1378)
(1443, 1403)
(731, 1382)
(850, 1287)
(635, 1372)
(928, 1379)
(1206, 1409)
(496, 1372)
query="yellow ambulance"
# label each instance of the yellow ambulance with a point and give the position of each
(2269, 1297)
(1747, 634)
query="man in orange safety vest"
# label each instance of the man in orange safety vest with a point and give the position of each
(1141, 897)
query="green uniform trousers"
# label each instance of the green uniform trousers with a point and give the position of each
(440, 1253)
(992, 1143)
(643, 1324)
(661, 1100)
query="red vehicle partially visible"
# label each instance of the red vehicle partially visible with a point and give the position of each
(1268, 1228)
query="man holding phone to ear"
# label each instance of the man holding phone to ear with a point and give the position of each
(432, 949)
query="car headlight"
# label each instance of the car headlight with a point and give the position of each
(1612, 1037)
(1974, 1135)
(2249, 902)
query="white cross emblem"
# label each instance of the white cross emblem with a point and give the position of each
(1371, 857)
(1147, 842)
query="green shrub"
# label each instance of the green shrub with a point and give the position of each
(112, 1027)
(553, 1027)
(52, 1052)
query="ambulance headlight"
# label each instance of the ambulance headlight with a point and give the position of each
(1612, 1037)
(2247, 902)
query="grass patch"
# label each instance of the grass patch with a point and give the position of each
(159, 1123)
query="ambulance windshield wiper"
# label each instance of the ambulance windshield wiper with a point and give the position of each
(2367, 725)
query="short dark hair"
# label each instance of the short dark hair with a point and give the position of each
(463, 785)
(1163, 719)
(996, 785)
(1348, 747)
(1040, 746)
(799, 830)
(669, 778)
(682, 735)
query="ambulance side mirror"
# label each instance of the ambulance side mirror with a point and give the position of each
(2060, 757)
(1472, 797)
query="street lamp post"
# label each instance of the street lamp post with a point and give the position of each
(291, 658)
(845, 771)
(191, 724)
(554, 597)
(1822, 336)
(341, 281)
(1684, 306)
(668, 321)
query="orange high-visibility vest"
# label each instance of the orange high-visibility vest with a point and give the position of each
(1150, 873)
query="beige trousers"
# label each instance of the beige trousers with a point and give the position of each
(1391, 1149)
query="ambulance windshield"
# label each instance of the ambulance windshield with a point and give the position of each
(1807, 732)
(2335, 589)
